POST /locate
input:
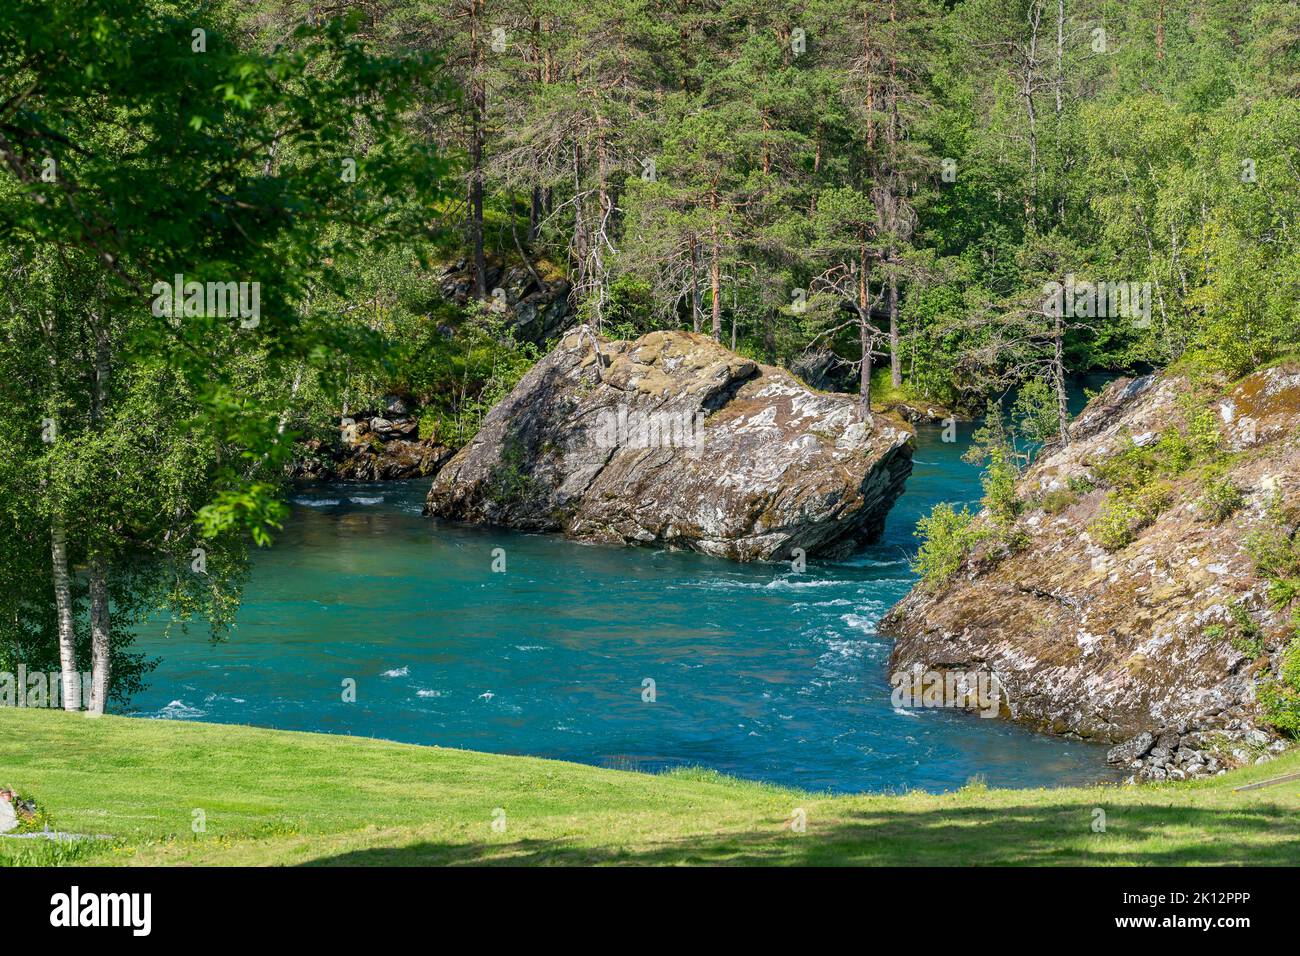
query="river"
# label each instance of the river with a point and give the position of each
(758, 671)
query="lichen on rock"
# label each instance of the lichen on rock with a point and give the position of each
(672, 440)
(1131, 640)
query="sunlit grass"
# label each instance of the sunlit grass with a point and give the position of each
(274, 797)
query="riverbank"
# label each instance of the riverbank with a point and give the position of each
(278, 798)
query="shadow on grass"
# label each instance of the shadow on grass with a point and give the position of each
(952, 836)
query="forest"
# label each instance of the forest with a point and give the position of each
(946, 202)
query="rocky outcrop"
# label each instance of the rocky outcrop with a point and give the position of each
(917, 412)
(382, 445)
(1140, 640)
(536, 309)
(674, 441)
(823, 370)
(1179, 754)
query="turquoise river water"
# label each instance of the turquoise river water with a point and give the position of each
(759, 672)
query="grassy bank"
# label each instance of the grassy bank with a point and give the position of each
(272, 797)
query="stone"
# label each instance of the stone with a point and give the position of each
(396, 406)
(363, 455)
(823, 370)
(676, 442)
(1131, 750)
(533, 313)
(8, 816)
(1109, 644)
(350, 433)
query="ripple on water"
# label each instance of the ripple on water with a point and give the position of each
(757, 671)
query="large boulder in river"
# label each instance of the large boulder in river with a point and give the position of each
(674, 441)
(1127, 604)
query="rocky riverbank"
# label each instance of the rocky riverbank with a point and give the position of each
(1124, 603)
(381, 444)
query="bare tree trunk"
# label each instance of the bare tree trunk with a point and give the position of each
(866, 338)
(1058, 373)
(895, 355)
(100, 630)
(697, 314)
(871, 80)
(100, 623)
(579, 241)
(735, 311)
(283, 422)
(59, 555)
(539, 79)
(477, 109)
(1060, 59)
(1031, 112)
(606, 212)
(63, 605)
(715, 274)
(1060, 107)
(894, 200)
(535, 216)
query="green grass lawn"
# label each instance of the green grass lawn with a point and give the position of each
(273, 797)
